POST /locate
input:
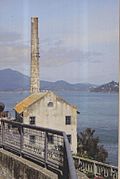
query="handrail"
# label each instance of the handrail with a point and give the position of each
(37, 143)
(71, 166)
(32, 127)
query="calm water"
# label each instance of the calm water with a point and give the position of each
(97, 111)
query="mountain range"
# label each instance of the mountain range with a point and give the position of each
(14, 80)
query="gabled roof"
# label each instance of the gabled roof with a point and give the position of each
(28, 101)
(24, 104)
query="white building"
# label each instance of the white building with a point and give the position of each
(46, 109)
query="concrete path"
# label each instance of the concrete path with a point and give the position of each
(81, 175)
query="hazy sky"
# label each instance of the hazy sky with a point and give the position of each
(78, 38)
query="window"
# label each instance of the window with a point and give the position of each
(32, 120)
(67, 120)
(32, 139)
(69, 138)
(50, 139)
(50, 104)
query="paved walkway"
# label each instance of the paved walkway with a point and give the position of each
(81, 175)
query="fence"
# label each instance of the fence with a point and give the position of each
(47, 147)
(97, 168)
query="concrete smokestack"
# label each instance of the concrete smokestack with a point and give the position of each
(34, 76)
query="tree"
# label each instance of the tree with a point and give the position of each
(88, 146)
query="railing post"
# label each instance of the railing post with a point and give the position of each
(95, 169)
(46, 148)
(2, 128)
(111, 172)
(21, 139)
(69, 167)
(65, 165)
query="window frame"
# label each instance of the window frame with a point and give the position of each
(50, 104)
(68, 120)
(30, 120)
(32, 141)
(50, 138)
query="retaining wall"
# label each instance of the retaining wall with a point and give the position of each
(16, 167)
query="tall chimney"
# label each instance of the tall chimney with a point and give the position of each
(34, 76)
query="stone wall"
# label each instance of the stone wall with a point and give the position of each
(16, 167)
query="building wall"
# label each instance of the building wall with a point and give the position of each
(54, 117)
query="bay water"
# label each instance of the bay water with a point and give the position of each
(98, 111)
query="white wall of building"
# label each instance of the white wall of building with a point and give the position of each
(54, 117)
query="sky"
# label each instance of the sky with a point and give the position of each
(78, 38)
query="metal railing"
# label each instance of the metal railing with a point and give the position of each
(47, 147)
(4, 114)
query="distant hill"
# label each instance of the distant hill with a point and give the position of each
(14, 80)
(62, 85)
(107, 88)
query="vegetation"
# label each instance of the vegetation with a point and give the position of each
(89, 147)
